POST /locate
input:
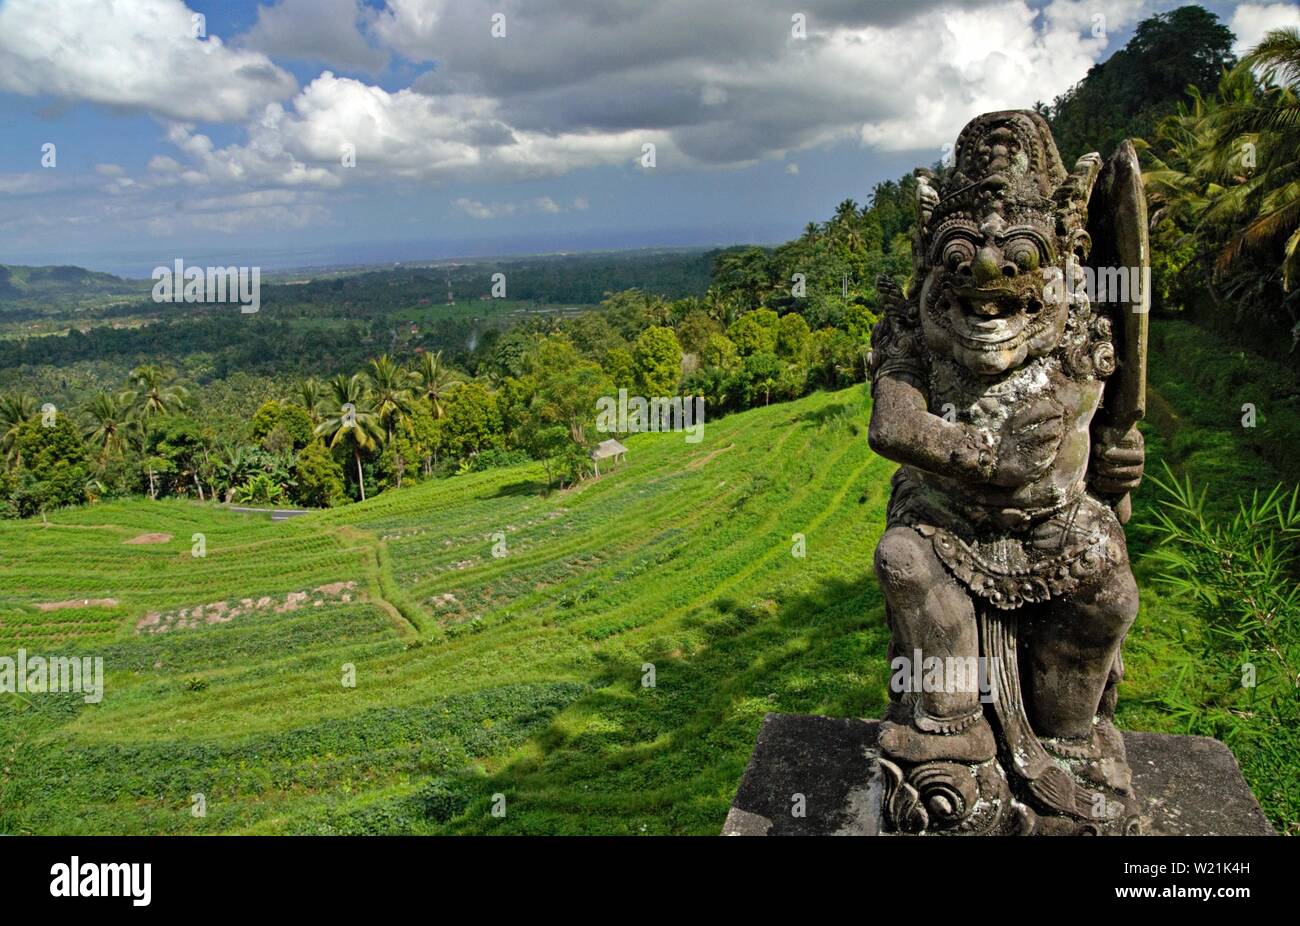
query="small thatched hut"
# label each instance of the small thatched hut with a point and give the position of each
(606, 450)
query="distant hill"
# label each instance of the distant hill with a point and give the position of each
(18, 282)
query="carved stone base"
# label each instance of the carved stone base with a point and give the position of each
(825, 767)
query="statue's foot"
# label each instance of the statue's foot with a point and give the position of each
(905, 742)
(1099, 759)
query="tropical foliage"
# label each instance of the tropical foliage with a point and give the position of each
(1224, 172)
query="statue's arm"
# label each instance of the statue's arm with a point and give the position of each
(902, 429)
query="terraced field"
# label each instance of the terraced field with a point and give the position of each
(476, 674)
(473, 655)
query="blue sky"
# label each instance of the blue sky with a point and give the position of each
(230, 145)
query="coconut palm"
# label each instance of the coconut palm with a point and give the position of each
(1272, 121)
(16, 409)
(108, 422)
(1227, 169)
(153, 394)
(390, 391)
(349, 417)
(437, 382)
(311, 393)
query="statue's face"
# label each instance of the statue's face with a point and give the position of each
(986, 302)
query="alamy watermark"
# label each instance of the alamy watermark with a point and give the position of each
(53, 674)
(948, 675)
(75, 878)
(634, 414)
(179, 283)
(1101, 284)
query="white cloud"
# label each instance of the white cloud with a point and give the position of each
(140, 54)
(262, 218)
(970, 61)
(1252, 21)
(477, 210)
(729, 89)
(162, 164)
(37, 182)
(402, 135)
(124, 203)
(480, 210)
(264, 160)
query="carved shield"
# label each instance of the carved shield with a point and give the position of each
(1121, 264)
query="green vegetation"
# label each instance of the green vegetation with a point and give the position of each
(469, 666)
(1126, 95)
(31, 292)
(1224, 172)
(1219, 141)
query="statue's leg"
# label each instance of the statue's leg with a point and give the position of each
(932, 613)
(1072, 648)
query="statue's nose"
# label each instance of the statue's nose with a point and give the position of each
(986, 268)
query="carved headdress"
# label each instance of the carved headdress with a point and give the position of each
(1006, 162)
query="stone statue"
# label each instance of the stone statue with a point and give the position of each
(1008, 382)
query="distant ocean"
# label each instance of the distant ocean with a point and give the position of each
(139, 264)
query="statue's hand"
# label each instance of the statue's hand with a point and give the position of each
(1119, 459)
(1029, 441)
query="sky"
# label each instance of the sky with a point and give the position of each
(303, 133)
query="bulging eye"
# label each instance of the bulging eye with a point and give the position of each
(956, 252)
(1023, 253)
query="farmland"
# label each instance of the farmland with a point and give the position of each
(468, 666)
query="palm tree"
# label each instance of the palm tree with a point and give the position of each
(310, 396)
(390, 390)
(1226, 168)
(845, 225)
(205, 466)
(349, 415)
(659, 312)
(1272, 121)
(153, 394)
(437, 382)
(108, 422)
(16, 409)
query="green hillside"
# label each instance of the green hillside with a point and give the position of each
(478, 675)
(463, 660)
(17, 282)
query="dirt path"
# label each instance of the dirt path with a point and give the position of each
(379, 583)
(697, 462)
